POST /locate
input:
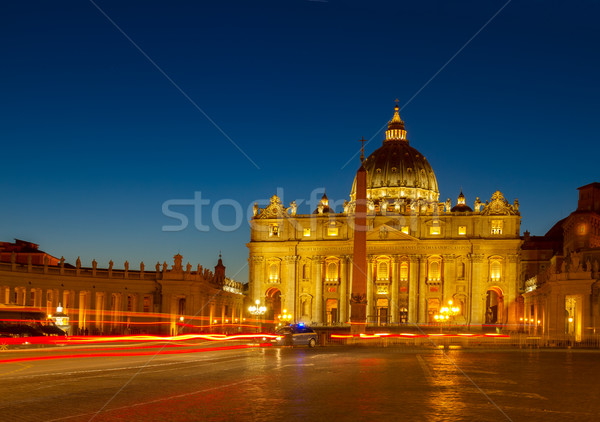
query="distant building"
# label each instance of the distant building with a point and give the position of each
(562, 298)
(23, 252)
(422, 253)
(161, 300)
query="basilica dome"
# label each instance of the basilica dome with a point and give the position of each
(398, 171)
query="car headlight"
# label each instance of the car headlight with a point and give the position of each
(278, 338)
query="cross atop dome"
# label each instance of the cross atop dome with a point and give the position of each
(395, 130)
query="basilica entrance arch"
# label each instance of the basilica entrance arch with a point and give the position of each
(494, 306)
(382, 311)
(331, 309)
(273, 304)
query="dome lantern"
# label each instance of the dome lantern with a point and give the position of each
(397, 171)
(395, 130)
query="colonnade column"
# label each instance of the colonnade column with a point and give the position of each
(343, 287)
(394, 305)
(370, 289)
(413, 296)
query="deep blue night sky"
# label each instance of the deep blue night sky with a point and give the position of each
(95, 138)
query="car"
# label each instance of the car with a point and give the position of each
(296, 335)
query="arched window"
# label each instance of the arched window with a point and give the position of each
(273, 272)
(332, 271)
(495, 270)
(382, 271)
(434, 270)
(461, 270)
(305, 271)
(404, 271)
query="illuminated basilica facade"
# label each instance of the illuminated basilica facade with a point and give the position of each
(421, 252)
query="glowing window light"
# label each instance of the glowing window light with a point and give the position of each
(497, 226)
(495, 270)
(404, 271)
(434, 271)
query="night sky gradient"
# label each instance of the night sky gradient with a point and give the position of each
(94, 138)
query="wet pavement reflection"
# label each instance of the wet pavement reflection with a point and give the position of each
(337, 383)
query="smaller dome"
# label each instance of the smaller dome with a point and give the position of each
(461, 205)
(323, 206)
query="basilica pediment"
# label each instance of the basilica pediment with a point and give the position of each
(275, 209)
(386, 232)
(499, 206)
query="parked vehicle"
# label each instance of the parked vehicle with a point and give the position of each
(296, 335)
(20, 321)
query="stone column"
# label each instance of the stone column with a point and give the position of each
(423, 289)
(413, 296)
(258, 263)
(343, 288)
(510, 299)
(394, 305)
(449, 280)
(318, 304)
(290, 293)
(370, 282)
(477, 290)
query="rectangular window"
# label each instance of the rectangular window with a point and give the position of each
(332, 231)
(434, 230)
(405, 230)
(146, 304)
(497, 226)
(306, 233)
(462, 230)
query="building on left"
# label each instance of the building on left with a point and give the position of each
(165, 300)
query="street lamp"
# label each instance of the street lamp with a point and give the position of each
(258, 311)
(447, 313)
(285, 318)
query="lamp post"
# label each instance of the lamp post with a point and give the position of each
(446, 314)
(285, 318)
(258, 311)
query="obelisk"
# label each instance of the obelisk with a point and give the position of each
(358, 299)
